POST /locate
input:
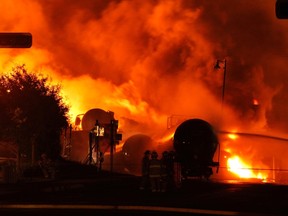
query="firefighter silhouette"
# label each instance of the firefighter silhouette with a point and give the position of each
(47, 166)
(155, 172)
(164, 171)
(144, 184)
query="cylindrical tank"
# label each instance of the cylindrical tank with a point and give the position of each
(195, 143)
(90, 117)
(133, 151)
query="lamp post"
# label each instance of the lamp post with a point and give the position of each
(221, 64)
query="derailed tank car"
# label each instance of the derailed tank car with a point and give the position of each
(133, 151)
(195, 144)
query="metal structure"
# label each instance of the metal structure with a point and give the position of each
(103, 133)
(95, 133)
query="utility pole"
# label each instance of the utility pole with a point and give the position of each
(114, 139)
(91, 135)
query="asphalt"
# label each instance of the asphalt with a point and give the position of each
(119, 190)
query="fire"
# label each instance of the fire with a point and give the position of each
(237, 166)
(232, 136)
(166, 138)
(255, 102)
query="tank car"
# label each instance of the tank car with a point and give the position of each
(133, 151)
(90, 117)
(195, 144)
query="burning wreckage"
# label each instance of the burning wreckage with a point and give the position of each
(195, 142)
(96, 136)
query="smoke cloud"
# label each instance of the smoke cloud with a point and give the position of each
(146, 60)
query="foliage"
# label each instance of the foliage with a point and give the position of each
(32, 112)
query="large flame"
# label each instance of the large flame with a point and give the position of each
(243, 162)
(236, 165)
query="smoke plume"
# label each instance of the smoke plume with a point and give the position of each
(146, 60)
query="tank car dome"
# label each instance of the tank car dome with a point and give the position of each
(90, 117)
(195, 140)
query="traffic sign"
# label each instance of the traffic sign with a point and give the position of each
(15, 40)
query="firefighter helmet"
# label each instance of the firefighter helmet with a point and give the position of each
(165, 154)
(147, 152)
(154, 154)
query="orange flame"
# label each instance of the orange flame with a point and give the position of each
(255, 102)
(240, 165)
(236, 165)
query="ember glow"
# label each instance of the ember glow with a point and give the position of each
(146, 60)
(232, 136)
(255, 102)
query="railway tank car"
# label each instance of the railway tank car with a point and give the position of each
(195, 144)
(133, 151)
(90, 117)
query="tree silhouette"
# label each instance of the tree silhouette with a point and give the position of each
(33, 113)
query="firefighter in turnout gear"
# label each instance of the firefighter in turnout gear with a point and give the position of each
(145, 171)
(155, 172)
(164, 171)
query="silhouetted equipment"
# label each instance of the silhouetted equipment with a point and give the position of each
(102, 135)
(15, 40)
(195, 143)
(281, 9)
(95, 133)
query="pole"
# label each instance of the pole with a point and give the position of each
(90, 147)
(274, 169)
(111, 144)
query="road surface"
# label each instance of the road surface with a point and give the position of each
(119, 195)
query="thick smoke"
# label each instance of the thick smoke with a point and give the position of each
(146, 60)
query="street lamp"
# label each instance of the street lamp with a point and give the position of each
(221, 64)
